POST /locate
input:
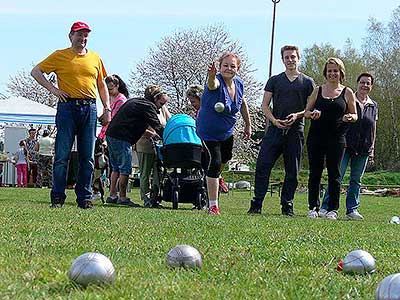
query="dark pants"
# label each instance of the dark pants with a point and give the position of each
(219, 153)
(318, 151)
(276, 142)
(32, 173)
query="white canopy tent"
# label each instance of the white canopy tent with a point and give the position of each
(22, 110)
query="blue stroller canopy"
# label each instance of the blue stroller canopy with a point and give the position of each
(180, 129)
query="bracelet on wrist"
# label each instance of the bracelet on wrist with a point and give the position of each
(107, 109)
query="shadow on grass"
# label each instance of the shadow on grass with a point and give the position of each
(58, 289)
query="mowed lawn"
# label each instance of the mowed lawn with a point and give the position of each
(244, 257)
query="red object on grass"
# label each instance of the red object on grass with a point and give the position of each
(339, 266)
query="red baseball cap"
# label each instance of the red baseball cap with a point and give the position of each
(80, 26)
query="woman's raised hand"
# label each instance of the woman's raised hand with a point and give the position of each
(212, 69)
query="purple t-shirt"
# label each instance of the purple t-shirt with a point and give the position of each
(214, 126)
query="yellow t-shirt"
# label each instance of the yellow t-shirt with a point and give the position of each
(78, 75)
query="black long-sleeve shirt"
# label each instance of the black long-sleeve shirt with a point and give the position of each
(132, 120)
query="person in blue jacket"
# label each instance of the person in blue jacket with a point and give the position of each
(215, 126)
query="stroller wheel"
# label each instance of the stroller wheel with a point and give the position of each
(199, 199)
(175, 199)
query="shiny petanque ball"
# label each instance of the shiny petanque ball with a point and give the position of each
(359, 262)
(92, 268)
(389, 288)
(219, 107)
(184, 256)
(395, 220)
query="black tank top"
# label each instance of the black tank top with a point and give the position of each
(330, 126)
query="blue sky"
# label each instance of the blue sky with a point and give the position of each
(123, 31)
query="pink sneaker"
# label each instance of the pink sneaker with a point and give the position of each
(222, 186)
(214, 210)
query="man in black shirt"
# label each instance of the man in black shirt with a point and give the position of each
(285, 135)
(132, 121)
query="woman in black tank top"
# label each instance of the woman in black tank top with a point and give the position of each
(329, 107)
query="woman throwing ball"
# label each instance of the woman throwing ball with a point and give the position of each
(215, 123)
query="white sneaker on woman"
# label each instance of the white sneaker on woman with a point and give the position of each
(322, 212)
(331, 215)
(355, 215)
(312, 214)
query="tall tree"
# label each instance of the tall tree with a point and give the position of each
(182, 59)
(313, 60)
(382, 52)
(315, 57)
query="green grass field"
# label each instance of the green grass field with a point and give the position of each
(244, 257)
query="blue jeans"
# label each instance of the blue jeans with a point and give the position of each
(120, 155)
(275, 143)
(71, 120)
(358, 164)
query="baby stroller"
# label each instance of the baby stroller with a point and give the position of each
(182, 178)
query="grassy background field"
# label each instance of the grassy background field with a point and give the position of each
(370, 179)
(244, 257)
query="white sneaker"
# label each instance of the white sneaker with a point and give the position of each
(96, 196)
(322, 212)
(355, 215)
(331, 215)
(312, 214)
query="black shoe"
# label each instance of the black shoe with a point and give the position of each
(254, 209)
(111, 200)
(127, 202)
(147, 204)
(157, 205)
(57, 203)
(287, 210)
(85, 205)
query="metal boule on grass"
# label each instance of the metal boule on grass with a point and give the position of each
(395, 220)
(92, 268)
(389, 288)
(359, 262)
(184, 256)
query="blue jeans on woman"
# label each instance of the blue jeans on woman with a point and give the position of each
(74, 118)
(358, 164)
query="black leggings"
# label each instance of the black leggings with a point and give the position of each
(318, 152)
(220, 153)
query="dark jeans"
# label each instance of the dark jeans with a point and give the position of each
(71, 120)
(276, 142)
(318, 151)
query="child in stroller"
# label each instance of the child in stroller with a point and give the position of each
(182, 178)
(100, 170)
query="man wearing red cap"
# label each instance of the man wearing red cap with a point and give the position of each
(80, 75)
